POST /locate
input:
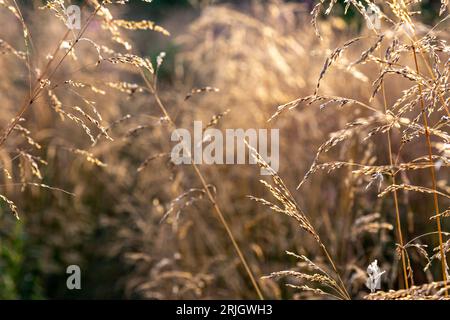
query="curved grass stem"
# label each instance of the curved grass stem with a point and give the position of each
(397, 211)
(433, 174)
(210, 196)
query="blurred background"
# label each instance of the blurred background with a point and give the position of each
(260, 54)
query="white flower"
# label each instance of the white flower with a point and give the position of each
(374, 276)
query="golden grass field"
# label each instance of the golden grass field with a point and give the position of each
(362, 108)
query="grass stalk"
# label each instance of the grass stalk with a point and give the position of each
(432, 172)
(397, 211)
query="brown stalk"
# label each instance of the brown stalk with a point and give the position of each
(210, 196)
(342, 288)
(433, 174)
(397, 211)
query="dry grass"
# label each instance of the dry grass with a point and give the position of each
(363, 118)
